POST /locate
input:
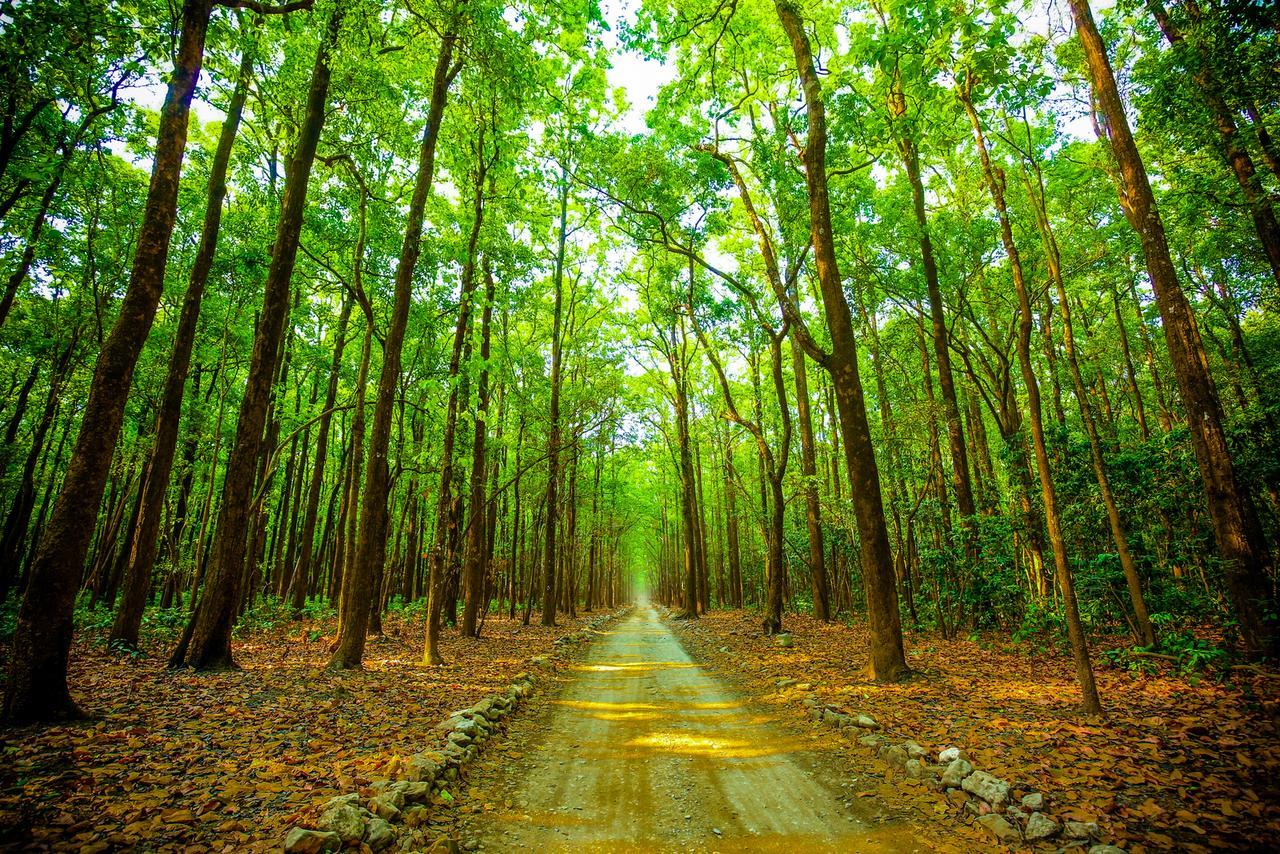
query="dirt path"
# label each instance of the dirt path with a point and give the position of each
(645, 751)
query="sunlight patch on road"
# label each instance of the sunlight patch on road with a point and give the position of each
(688, 744)
(615, 666)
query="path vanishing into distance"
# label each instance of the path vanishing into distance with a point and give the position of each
(645, 750)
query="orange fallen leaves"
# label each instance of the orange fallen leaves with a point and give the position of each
(229, 761)
(1173, 766)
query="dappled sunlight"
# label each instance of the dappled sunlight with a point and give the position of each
(711, 746)
(632, 666)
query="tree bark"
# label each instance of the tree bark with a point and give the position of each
(477, 564)
(1090, 704)
(371, 548)
(888, 658)
(36, 689)
(1245, 557)
(142, 557)
(210, 644)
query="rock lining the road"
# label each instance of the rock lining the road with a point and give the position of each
(398, 810)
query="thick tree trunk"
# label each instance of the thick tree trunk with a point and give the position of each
(210, 644)
(1245, 557)
(888, 658)
(37, 685)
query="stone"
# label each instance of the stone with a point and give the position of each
(914, 768)
(460, 737)
(1040, 826)
(784, 683)
(1082, 830)
(416, 792)
(424, 768)
(783, 640)
(303, 841)
(914, 750)
(1033, 802)
(835, 719)
(999, 828)
(951, 754)
(450, 722)
(989, 787)
(866, 722)
(345, 820)
(892, 754)
(873, 740)
(484, 709)
(955, 773)
(380, 835)
(1105, 849)
(352, 799)
(384, 807)
(1015, 815)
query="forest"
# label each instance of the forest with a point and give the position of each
(923, 352)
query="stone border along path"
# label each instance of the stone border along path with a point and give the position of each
(976, 792)
(380, 821)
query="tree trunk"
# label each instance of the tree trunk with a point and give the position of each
(36, 689)
(142, 558)
(888, 658)
(477, 564)
(210, 644)
(1035, 193)
(1241, 544)
(371, 548)
(1090, 704)
(553, 435)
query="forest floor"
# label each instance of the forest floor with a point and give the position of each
(1181, 761)
(230, 761)
(642, 749)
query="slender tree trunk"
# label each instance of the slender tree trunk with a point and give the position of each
(1090, 703)
(445, 500)
(553, 435)
(1234, 149)
(301, 574)
(961, 484)
(809, 470)
(372, 543)
(1035, 192)
(477, 564)
(210, 644)
(142, 558)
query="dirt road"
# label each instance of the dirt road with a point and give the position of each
(645, 751)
